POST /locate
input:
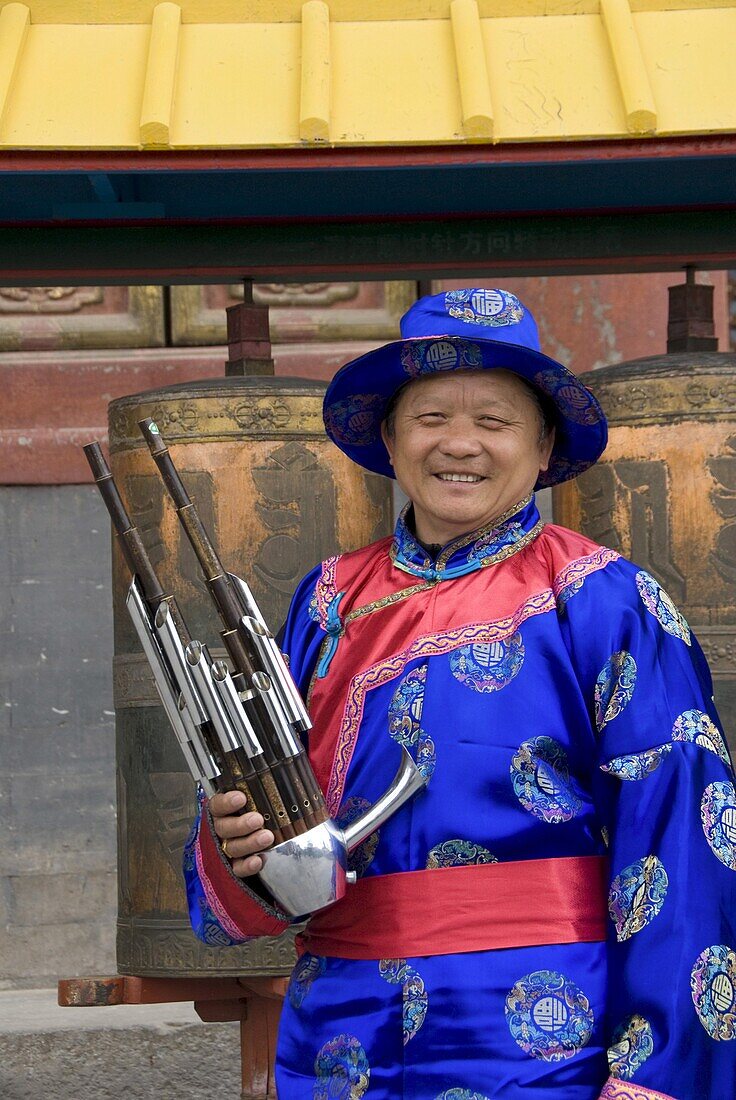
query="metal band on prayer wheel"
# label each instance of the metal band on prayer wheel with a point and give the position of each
(664, 493)
(277, 497)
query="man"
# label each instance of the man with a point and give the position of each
(554, 913)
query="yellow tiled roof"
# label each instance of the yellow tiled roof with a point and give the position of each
(126, 74)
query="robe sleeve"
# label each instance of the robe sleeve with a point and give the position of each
(665, 792)
(223, 909)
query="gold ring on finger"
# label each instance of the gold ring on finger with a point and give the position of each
(224, 849)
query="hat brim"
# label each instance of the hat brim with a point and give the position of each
(358, 396)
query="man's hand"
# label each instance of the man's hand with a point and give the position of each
(244, 834)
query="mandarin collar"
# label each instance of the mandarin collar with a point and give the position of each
(503, 536)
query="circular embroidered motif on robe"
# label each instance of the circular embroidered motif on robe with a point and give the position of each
(637, 765)
(405, 710)
(614, 687)
(355, 419)
(541, 780)
(405, 717)
(460, 1094)
(659, 604)
(415, 1004)
(718, 814)
(392, 970)
(549, 1016)
(426, 756)
(414, 995)
(458, 853)
(637, 895)
(341, 1070)
(698, 727)
(307, 970)
(488, 666)
(631, 1045)
(713, 986)
(361, 857)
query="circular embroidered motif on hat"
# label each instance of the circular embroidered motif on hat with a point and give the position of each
(355, 420)
(574, 399)
(493, 308)
(429, 356)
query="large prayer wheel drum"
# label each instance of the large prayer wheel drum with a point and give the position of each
(277, 497)
(664, 493)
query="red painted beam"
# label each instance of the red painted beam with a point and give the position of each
(69, 160)
(193, 273)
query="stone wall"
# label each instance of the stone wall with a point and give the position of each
(57, 741)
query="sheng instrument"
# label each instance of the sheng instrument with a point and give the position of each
(239, 722)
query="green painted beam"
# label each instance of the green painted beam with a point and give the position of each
(367, 250)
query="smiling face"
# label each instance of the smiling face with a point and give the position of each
(466, 447)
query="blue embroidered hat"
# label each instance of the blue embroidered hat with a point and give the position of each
(475, 329)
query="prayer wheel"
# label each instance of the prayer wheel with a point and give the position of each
(276, 497)
(664, 493)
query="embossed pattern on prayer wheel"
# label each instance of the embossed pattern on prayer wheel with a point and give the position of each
(664, 493)
(276, 497)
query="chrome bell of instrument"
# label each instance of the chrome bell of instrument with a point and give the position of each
(310, 872)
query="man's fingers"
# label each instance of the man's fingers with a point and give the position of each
(229, 803)
(243, 868)
(245, 846)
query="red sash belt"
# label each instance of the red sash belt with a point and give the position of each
(450, 910)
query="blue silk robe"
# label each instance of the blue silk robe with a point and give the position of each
(560, 706)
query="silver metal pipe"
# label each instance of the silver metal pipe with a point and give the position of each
(172, 646)
(222, 682)
(275, 666)
(199, 747)
(200, 664)
(290, 745)
(247, 599)
(407, 781)
(198, 758)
